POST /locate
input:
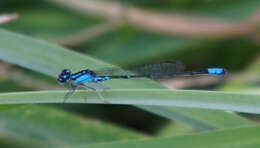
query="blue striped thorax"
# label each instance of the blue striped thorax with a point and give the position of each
(80, 77)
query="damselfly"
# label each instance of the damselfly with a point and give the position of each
(160, 70)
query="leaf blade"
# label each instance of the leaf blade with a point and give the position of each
(237, 137)
(247, 103)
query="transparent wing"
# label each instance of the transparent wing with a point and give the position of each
(158, 70)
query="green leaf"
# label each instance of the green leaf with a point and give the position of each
(53, 127)
(202, 119)
(40, 56)
(247, 103)
(247, 137)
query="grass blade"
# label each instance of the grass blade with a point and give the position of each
(238, 137)
(50, 127)
(247, 103)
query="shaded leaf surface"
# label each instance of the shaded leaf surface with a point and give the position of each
(53, 127)
(237, 138)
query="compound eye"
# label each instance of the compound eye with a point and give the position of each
(65, 71)
(61, 80)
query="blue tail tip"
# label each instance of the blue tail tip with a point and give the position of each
(216, 71)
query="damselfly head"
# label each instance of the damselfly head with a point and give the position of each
(64, 76)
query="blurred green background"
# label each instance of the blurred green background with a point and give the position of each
(116, 36)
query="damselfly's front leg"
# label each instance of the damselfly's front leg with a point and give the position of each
(71, 91)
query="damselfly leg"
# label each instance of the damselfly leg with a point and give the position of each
(94, 89)
(73, 87)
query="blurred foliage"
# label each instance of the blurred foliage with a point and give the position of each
(154, 47)
(12, 86)
(56, 22)
(59, 128)
(125, 45)
(217, 8)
